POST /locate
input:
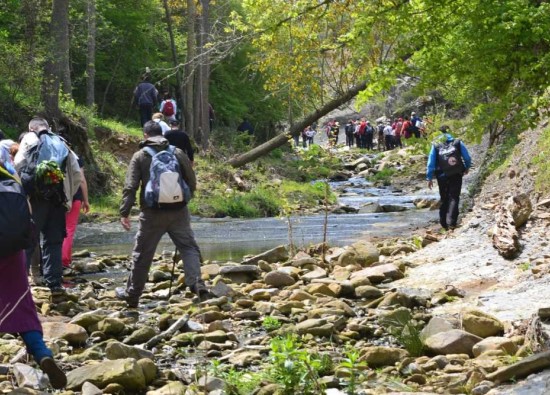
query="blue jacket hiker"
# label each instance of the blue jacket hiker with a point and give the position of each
(448, 161)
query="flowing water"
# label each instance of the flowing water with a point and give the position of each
(231, 239)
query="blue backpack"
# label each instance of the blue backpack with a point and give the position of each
(166, 188)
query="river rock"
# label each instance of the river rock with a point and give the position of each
(212, 270)
(141, 335)
(111, 326)
(90, 389)
(277, 254)
(222, 289)
(125, 372)
(117, 350)
(315, 327)
(377, 274)
(454, 341)
(279, 279)
(481, 324)
(315, 274)
(172, 388)
(434, 326)
(366, 253)
(370, 208)
(322, 289)
(29, 377)
(495, 343)
(89, 318)
(149, 369)
(240, 274)
(393, 208)
(533, 364)
(368, 292)
(74, 334)
(346, 258)
(378, 356)
(244, 358)
(396, 299)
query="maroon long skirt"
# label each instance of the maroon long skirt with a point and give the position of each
(17, 309)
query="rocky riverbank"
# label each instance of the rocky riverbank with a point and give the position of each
(431, 313)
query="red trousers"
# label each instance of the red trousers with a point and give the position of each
(71, 220)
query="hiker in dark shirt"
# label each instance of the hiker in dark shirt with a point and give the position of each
(146, 97)
(179, 139)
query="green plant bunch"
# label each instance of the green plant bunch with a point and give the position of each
(295, 368)
(406, 331)
(352, 367)
(271, 323)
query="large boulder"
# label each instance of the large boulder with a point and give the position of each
(481, 324)
(435, 326)
(117, 350)
(126, 372)
(279, 279)
(377, 274)
(521, 208)
(454, 341)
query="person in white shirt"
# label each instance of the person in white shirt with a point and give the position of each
(159, 118)
(388, 136)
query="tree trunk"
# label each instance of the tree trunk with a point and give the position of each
(63, 45)
(297, 128)
(173, 49)
(189, 81)
(204, 73)
(90, 57)
(58, 39)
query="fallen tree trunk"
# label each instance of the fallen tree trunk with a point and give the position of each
(296, 128)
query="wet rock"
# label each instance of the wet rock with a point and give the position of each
(379, 356)
(454, 341)
(366, 253)
(117, 350)
(172, 388)
(141, 335)
(481, 324)
(495, 343)
(74, 334)
(533, 364)
(371, 208)
(277, 254)
(393, 208)
(125, 372)
(279, 279)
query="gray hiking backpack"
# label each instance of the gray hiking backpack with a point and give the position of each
(166, 188)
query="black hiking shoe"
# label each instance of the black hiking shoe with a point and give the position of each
(121, 294)
(57, 378)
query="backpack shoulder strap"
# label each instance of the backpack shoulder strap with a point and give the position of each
(150, 150)
(171, 149)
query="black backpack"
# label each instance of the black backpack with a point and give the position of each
(16, 229)
(449, 158)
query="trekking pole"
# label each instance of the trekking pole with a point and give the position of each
(175, 258)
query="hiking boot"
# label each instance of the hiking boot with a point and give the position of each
(58, 290)
(204, 295)
(57, 378)
(121, 294)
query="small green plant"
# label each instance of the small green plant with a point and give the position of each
(406, 331)
(383, 176)
(525, 266)
(352, 367)
(295, 368)
(271, 323)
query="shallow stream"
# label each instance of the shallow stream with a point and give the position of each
(230, 239)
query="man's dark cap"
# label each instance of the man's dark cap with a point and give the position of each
(174, 122)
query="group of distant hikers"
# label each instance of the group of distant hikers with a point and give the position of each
(43, 189)
(385, 135)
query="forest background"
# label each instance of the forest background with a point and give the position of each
(282, 64)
